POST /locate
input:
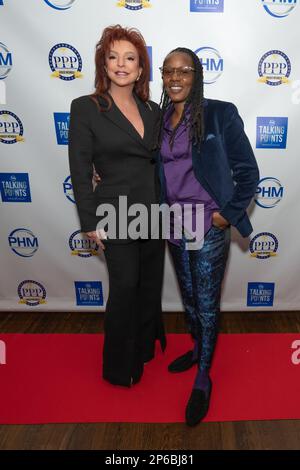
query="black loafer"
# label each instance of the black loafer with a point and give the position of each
(182, 363)
(197, 406)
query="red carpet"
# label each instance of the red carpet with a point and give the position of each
(57, 378)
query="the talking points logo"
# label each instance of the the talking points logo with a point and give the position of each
(65, 62)
(82, 246)
(89, 293)
(271, 132)
(31, 293)
(260, 294)
(23, 242)
(263, 246)
(11, 128)
(274, 68)
(60, 4)
(207, 6)
(134, 5)
(269, 193)
(279, 8)
(14, 187)
(62, 124)
(212, 63)
(5, 61)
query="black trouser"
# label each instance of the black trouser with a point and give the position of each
(133, 319)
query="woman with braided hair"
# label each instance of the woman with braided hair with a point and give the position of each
(205, 158)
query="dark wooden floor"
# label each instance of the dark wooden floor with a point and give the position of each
(112, 436)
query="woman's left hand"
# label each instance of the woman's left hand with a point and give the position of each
(96, 179)
(219, 221)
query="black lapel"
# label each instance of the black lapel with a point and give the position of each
(118, 118)
(148, 117)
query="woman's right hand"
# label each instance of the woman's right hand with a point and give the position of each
(96, 177)
(97, 236)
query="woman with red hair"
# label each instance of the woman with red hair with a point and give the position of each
(113, 130)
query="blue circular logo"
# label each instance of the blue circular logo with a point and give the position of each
(81, 245)
(269, 193)
(5, 61)
(31, 293)
(60, 4)
(264, 245)
(68, 189)
(212, 63)
(279, 8)
(274, 68)
(11, 128)
(23, 242)
(65, 62)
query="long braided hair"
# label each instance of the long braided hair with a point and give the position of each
(194, 100)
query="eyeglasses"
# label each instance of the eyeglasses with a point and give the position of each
(181, 71)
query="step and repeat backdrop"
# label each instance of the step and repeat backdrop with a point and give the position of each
(249, 50)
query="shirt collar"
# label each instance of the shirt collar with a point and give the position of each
(167, 118)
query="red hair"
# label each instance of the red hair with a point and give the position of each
(118, 33)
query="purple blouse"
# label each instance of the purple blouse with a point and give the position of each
(181, 184)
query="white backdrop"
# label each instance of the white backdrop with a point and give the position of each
(44, 265)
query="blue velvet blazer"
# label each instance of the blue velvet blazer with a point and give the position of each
(225, 166)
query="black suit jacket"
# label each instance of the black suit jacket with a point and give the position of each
(121, 157)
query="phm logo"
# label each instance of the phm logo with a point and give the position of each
(212, 63)
(279, 8)
(264, 245)
(134, 4)
(65, 62)
(31, 293)
(60, 4)
(274, 68)
(11, 128)
(23, 242)
(269, 193)
(82, 246)
(5, 61)
(68, 189)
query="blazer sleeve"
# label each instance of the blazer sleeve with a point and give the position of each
(81, 166)
(243, 166)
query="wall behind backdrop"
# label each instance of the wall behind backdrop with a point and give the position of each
(250, 56)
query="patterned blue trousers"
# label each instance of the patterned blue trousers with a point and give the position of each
(200, 274)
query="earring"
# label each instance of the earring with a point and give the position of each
(138, 78)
